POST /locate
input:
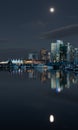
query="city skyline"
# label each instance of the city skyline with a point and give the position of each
(59, 51)
(38, 64)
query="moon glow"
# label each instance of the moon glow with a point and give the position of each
(51, 118)
(52, 10)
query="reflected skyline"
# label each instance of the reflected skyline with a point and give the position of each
(38, 96)
(59, 80)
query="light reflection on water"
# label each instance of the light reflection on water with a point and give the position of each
(58, 79)
(51, 118)
(52, 106)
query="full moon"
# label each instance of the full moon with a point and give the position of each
(51, 118)
(52, 10)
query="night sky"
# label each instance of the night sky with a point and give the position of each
(22, 22)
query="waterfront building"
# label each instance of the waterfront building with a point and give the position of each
(55, 50)
(43, 54)
(62, 52)
(33, 56)
(17, 61)
(70, 53)
(76, 56)
(49, 56)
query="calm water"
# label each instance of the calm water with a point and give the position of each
(38, 99)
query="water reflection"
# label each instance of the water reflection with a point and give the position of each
(62, 79)
(36, 104)
(51, 118)
(59, 80)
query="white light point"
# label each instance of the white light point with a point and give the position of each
(51, 118)
(52, 10)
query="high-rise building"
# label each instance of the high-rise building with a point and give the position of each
(70, 53)
(43, 54)
(55, 50)
(76, 56)
(61, 51)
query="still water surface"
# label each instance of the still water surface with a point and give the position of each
(38, 99)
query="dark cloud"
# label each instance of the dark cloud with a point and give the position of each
(62, 32)
(3, 40)
(33, 24)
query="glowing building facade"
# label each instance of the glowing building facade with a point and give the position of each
(62, 52)
(55, 50)
(76, 56)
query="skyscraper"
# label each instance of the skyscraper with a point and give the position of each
(76, 56)
(55, 50)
